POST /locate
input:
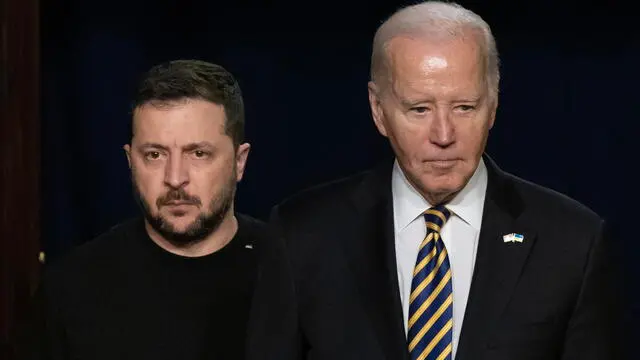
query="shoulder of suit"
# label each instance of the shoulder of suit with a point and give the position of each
(254, 230)
(541, 199)
(322, 197)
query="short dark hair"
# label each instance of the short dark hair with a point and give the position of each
(194, 79)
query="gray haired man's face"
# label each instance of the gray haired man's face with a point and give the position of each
(436, 112)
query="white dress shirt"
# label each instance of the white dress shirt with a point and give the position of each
(459, 234)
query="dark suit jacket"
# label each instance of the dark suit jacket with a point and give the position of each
(552, 296)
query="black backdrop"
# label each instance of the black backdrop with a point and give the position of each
(567, 119)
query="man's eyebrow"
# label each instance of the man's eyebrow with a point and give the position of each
(197, 145)
(154, 146)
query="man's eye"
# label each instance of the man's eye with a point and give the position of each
(420, 109)
(466, 107)
(200, 154)
(152, 155)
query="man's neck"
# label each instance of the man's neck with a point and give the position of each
(212, 243)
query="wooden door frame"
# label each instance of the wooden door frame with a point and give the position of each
(19, 163)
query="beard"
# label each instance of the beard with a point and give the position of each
(206, 222)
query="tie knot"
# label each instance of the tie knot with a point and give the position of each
(437, 216)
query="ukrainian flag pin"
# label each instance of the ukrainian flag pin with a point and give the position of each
(513, 237)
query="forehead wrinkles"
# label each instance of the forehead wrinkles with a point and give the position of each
(438, 77)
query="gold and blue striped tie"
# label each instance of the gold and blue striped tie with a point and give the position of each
(431, 301)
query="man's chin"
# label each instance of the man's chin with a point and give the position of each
(178, 218)
(180, 231)
(179, 224)
(441, 190)
(441, 185)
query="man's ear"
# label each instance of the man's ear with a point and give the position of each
(492, 114)
(376, 108)
(127, 151)
(241, 159)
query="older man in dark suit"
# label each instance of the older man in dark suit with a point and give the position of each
(439, 254)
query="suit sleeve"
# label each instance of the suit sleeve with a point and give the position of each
(595, 330)
(274, 332)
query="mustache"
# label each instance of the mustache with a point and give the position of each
(178, 195)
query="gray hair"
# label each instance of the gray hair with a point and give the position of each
(435, 20)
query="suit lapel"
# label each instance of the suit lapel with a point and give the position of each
(371, 254)
(498, 263)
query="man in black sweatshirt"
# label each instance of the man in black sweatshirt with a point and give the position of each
(178, 282)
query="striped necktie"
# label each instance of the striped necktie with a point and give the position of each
(431, 301)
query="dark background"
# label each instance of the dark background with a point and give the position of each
(568, 114)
